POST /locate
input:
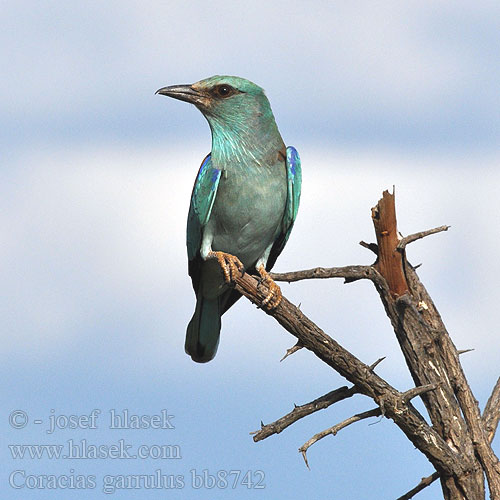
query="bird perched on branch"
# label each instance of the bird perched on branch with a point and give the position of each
(243, 205)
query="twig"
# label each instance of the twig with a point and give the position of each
(297, 347)
(426, 481)
(422, 234)
(302, 411)
(491, 413)
(349, 273)
(375, 412)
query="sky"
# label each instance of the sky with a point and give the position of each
(95, 177)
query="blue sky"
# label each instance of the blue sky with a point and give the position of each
(96, 173)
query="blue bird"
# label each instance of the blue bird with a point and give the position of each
(243, 205)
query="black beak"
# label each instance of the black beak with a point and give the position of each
(182, 92)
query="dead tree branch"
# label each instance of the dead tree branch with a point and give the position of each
(318, 404)
(328, 350)
(458, 441)
(349, 273)
(303, 411)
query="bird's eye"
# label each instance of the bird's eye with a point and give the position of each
(224, 90)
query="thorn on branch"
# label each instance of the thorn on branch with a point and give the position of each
(375, 412)
(422, 234)
(373, 365)
(463, 351)
(297, 347)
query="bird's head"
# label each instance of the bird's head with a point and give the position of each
(225, 101)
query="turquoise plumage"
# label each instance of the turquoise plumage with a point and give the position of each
(243, 205)
(200, 208)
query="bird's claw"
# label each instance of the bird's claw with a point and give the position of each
(274, 296)
(230, 264)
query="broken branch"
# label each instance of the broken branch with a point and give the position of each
(375, 412)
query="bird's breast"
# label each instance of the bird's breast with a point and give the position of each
(248, 211)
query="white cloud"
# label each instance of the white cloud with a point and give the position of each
(98, 236)
(406, 60)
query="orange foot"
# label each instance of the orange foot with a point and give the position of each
(273, 298)
(230, 264)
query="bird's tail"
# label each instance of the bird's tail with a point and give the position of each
(202, 336)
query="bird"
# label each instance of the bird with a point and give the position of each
(243, 204)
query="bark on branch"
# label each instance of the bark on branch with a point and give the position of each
(491, 414)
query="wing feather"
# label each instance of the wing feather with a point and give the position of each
(294, 178)
(200, 208)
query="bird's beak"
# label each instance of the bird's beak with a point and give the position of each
(183, 93)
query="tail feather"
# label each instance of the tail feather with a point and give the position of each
(203, 331)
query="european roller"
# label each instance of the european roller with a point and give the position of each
(243, 205)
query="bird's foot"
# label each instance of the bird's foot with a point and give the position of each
(230, 264)
(273, 298)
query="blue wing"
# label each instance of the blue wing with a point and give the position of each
(294, 178)
(200, 208)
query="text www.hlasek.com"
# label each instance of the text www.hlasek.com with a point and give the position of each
(222, 479)
(82, 449)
